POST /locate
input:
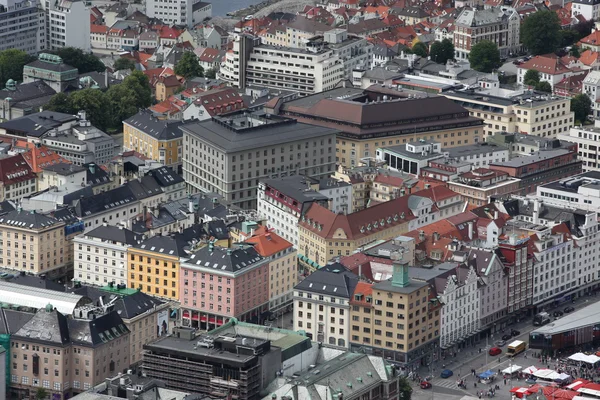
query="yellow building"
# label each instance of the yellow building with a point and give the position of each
(160, 140)
(153, 266)
(397, 318)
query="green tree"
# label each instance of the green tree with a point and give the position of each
(581, 105)
(211, 73)
(531, 78)
(41, 394)
(420, 49)
(123, 104)
(12, 62)
(60, 102)
(404, 388)
(140, 85)
(567, 37)
(94, 102)
(84, 62)
(442, 51)
(540, 32)
(123, 63)
(485, 56)
(575, 51)
(543, 86)
(188, 66)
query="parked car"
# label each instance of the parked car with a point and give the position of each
(521, 60)
(558, 313)
(527, 58)
(494, 351)
(515, 332)
(569, 309)
(506, 337)
(425, 385)
(447, 373)
(516, 62)
(500, 343)
(530, 381)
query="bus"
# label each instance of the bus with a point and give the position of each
(516, 347)
(541, 319)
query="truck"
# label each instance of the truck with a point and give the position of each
(541, 319)
(516, 347)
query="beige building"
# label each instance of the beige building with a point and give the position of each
(395, 318)
(65, 356)
(34, 243)
(478, 186)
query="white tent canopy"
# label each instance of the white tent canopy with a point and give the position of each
(530, 370)
(512, 369)
(591, 359)
(546, 374)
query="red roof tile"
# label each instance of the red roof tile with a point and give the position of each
(39, 157)
(15, 169)
(546, 64)
(268, 243)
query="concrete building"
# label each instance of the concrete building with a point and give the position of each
(229, 155)
(19, 100)
(379, 117)
(187, 13)
(25, 26)
(322, 305)
(580, 191)
(588, 9)
(501, 25)
(586, 139)
(591, 87)
(67, 24)
(50, 69)
(481, 184)
(100, 255)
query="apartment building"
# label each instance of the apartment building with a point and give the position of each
(514, 255)
(17, 180)
(536, 114)
(67, 24)
(229, 155)
(101, 255)
(588, 9)
(479, 185)
(188, 13)
(111, 207)
(25, 26)
(35, 243)
(283, 267)
(65, 355)
(322, 305)
(586, 138)
(500, 25)
(367, 119)
(160, 140)
(552, 69)
(397, 319)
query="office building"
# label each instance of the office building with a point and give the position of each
(67, 24)
(188, 13)
(580, 191)
(229, 155)
(586, 138)
(24, 26)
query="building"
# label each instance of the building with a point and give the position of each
(591, 87)
(580, 191)
(100, 255)
(61, 174)
(500, 25)
(378, 117)
(481, 184)
(410, 157)
(66, 355)
(213, 102)
(283, 268)
(588, 9)
(50, 69)
(532, 114)
(587, 146)
(160, 140)
(552, 69)
(115, 205)
(17, 180)
(165, 87)
(229, 155)
(67, 24)
(398, 319)
(19, 100)
(188, 13)
(25, 26)
(322, 305)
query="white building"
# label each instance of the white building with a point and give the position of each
(591, 87)
(575, 192)
(339, 194)
(589, 9)
(187, 13)
(587, 139)
(23, 26)
(67, 24)
(101, 255)
(492, 287)
(322, 305)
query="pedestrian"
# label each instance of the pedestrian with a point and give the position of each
(504, 381)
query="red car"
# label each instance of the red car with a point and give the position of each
(494, 351)
(425, 385)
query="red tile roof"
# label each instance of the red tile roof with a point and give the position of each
(39, 157)
(389, 180)
(546, 64)
(592, 39)
(216, 101)
(589, 57)
(169, 81)
(268, 243)
(98, 29)
(366, 290)
(15, 169)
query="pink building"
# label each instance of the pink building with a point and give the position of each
(218, 283)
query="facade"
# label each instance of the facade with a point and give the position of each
(160, 140)
(50, 69)
(500, 25)
(187, 13)
(67, 24)
(365, 124)
(322, 305)
(17, 180)
(229, 155)
(551, 68)
(591, 87)
(586, 139)
(514, 255)
(588, 9)
(25, 26)
(479, 185)
(115, 205)
(580, 191)
(101, 255)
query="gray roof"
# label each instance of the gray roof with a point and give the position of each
(472, 149)
(222, 259)
(383, 74)
(64, 168)
(533, 158)
(267, 132)
(28, 91)
(62, 67)
(97, 331)
(474, 17)
(332, 280)
(46, 327)
(115, 234)
(104, 201)
(172, 245)
(587, 316)
(27, 219)
(144, 187)
(165, 176)
(295, 187)
(95, 175)
(37, 124)
(11, 321)
(146, 122)
(401, 151)
(330, 183)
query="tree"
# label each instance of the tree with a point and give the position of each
(94, 102)
(583, 29)
(543, 86)
(540, 32)
(441, 52)
(12, 62)
(404, 388)
(140, 84)
(567, 37)
(420, 49)
(123, 63)
(84, 62)
(189, 66)
(60, 102)
(531, 78)
(123, 104)
(211, 73)
(41, 394)
(575, 51)
(581, 105)
(485, 56)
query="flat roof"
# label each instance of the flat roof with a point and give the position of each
(401, 151)
(573, 183)
(387, 286)
(535, 157)
(423, 83)
(587, 316)
(471, 149)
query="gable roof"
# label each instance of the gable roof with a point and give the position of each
(104, 201)
(15, 169)
(268, 243)
(224, 259)
(332, 279)
(147, 123)
(115, 234)
(39, 157)
(546, 64)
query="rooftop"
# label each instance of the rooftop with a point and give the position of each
(332, 280)
(587, 316)
(533, 158)
(224, 260)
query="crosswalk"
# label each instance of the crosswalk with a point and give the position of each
(449, 383)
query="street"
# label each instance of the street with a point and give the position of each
(469, 359)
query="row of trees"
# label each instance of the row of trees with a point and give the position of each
(107, 109)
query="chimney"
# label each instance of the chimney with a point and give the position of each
(400, 275)
(190, 205)
(495, 214)
(436, 236)
(470, 225)
(215, 202)
(421, 235)
(536, 211)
